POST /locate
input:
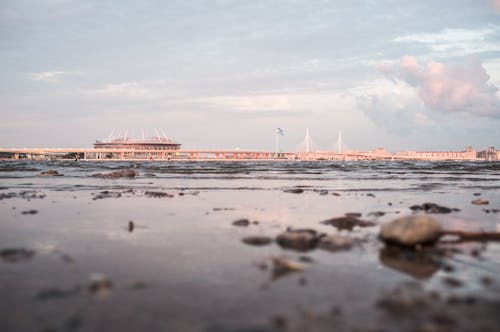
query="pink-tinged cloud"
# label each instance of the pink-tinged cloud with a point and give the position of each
(456, 87)
(496, 5)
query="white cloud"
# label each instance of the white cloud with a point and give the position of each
(47, 76)
(457, 42)
(125, 91)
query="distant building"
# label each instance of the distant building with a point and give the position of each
(153, 143)
(468, 154)
(489, 154)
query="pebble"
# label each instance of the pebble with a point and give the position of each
(347, 223)
(257, 240)
(157, 194)
(335, 243)
(432, 208)
(50, 172)
(99, 283)
(123, 173)
(299, 239)
(480, 201)
(241, 222)
(30, 212)
(13, 255)
(294, 191)
(411, 230)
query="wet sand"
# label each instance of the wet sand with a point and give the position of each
(102, 254)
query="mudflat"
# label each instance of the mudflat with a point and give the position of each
(245, 246)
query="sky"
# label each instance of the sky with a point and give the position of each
(403, 75)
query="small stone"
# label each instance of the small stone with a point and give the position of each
(353, 214)
(480, 201)
(411, 230)
(347, 223)
(241, 223)
(257, 240)
(131, 226)
(100, 283)
(158, 194)
(16, 255)
(376, 214)
(477, 194)
(294, 191)
(30, 212)
(127, 173)
(432, 208)
(453, 282)
(50, 172)
(336, 194)
(299, 239)
(370, 195)
(335, 243)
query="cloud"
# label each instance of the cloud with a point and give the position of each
(457, 42)
(449, 88)
(47, 76)
(496, 5)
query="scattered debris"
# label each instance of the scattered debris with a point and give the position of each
(480, 201)
(347, 223)
(298, 239)
(411, 230)
(257, 240)
(14, 255)
(241, 223)
(471, 236)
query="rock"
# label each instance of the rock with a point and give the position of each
(99, 283)
(432, 208)
(294, 191)
(370, 195)
(347, 223)
(336, 194)
(157, 194)
(123, 173)
(298, 239)
(411, 230)
(107, 194)
(283, 266)
(335, 243)
(131, 226)
(30, 212)
(241, 223)
(480, 201)
(376, 214)
(353, 214)
(50, 172)
(257, 240)
(13, 255)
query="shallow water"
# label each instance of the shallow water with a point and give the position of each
(184, 268)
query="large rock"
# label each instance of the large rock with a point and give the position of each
(411, 230)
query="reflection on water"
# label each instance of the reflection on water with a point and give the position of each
(420, 264)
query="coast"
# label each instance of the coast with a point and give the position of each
(199, 246)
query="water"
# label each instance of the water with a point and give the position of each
(184, 267)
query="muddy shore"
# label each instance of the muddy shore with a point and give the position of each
(198, 248)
